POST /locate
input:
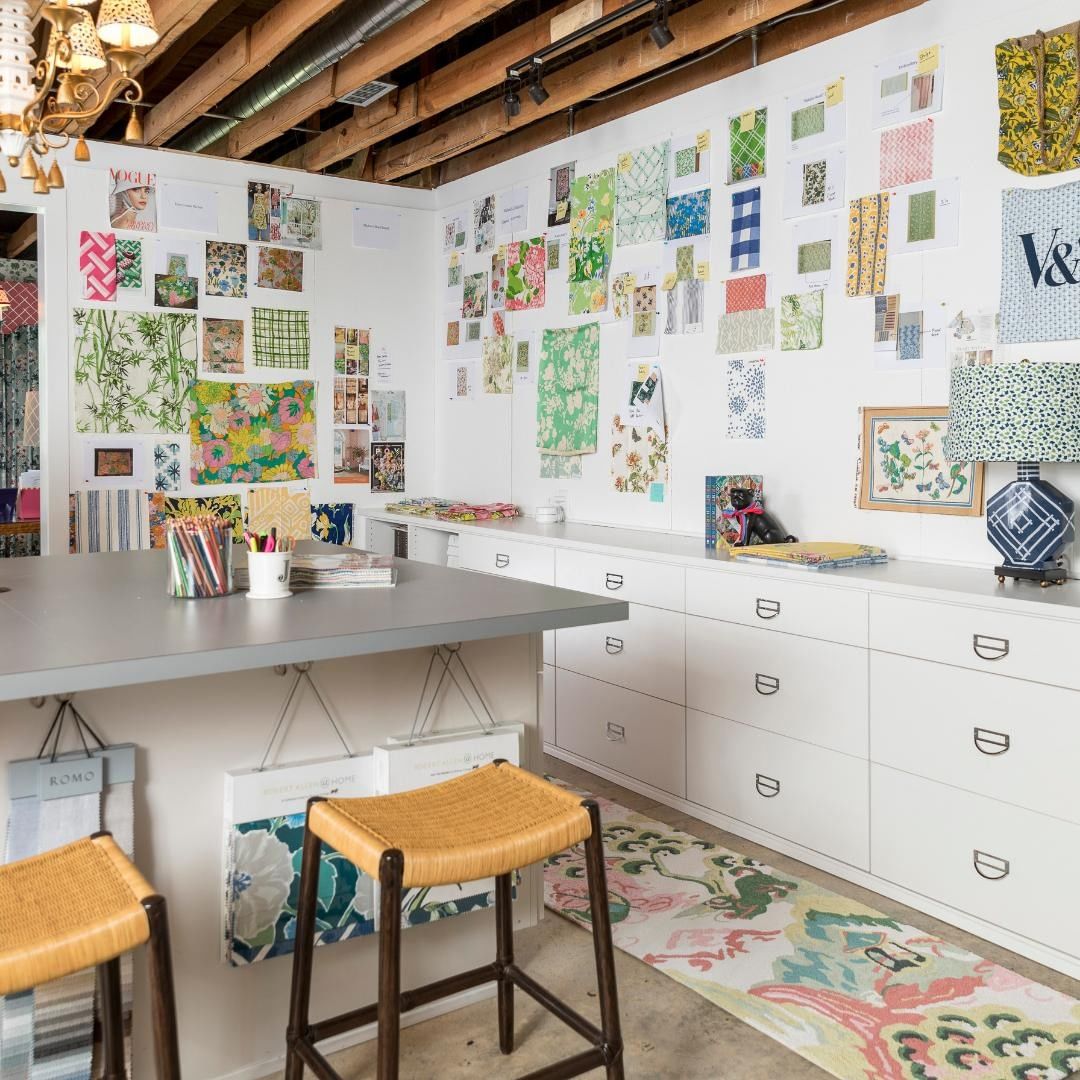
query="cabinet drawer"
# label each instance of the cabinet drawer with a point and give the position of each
(1005, 738)
(1012, 867)
(830, 612)
(655, 584)
(812, 690)
(814, 797)
(1023, 646)
(637, 735)
(509, 558)
(644, 653)
(547, 705)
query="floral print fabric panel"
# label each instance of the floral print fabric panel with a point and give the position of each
(497, 357)
(498, 280)
(289, 512)
(474, 300)
(388, 466)
(281, 338)
(167, 466)
(868, 241)
(526, 274)
(639, 457)
(132, 370)
(129, 264)
(814, 174)
(592, 203)
(641, 189)
(332, 522)
(746, 399)
(226, 269)
(226, 507)
(801, 318)
(742, 331)
(484, 224)
(281, 268)
(747, 140)
(689, 214)
(907, 154)
(568, 382)
(252, 433)
(223, 346)
(560, 467)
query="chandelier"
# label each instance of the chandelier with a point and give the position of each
(41, 99)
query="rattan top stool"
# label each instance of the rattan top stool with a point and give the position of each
(80, 906)
(490, 822)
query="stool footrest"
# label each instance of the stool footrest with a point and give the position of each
(574, 1066)
(545, 997)
(315, 1061)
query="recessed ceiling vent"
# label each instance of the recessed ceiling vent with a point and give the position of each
(369, 93)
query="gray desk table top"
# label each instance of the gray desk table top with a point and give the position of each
(84, 622)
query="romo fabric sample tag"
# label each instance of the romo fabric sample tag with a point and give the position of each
(81, 776)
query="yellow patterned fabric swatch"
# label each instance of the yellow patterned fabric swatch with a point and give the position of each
(868, 239)
(281, 509)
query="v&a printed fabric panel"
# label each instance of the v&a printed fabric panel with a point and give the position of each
(868, 241)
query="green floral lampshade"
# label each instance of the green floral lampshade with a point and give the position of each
(1014, 412)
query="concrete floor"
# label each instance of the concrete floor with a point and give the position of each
(669, 1031)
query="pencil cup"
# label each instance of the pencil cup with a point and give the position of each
(200, 558)
(268, 574)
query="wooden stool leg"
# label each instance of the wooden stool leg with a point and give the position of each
(303, 952)
(162, 992)
(504, 956)
(605, 959)
(112, 1021)
(391, 867)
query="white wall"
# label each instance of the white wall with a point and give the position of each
(343, 285)
(486, 448)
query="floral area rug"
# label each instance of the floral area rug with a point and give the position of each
(850, 989)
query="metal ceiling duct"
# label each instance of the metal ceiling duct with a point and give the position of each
(321, 47)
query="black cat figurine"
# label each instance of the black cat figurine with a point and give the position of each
(759, 526)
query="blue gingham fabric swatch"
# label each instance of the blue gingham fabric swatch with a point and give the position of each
(746, 229)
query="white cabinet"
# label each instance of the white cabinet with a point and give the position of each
(547, 705)
(507, 558)
(655, 584)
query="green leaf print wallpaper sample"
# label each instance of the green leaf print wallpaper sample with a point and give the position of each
(592, 240)
(132, 370)
(568, 382)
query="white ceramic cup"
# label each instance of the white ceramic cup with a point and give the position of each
(268, 574)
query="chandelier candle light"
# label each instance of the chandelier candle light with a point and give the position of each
(41, 99)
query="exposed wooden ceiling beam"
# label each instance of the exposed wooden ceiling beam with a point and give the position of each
(23, 237)
(233, 64)
(789, 37)
(436, 21)
(477, 71)
(695, 28)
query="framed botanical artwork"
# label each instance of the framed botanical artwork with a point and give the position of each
(902, 464)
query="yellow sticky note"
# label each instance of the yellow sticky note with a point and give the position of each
(629, 281)
(834, 93)
(642, 372)
(562, 209)
(929, 58)
(668, 283)
(502, 251)
(455, 258)
(703, 141)
(701, 271)
(746, 120)
(625, 161)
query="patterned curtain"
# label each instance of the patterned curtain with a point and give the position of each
(18, 373)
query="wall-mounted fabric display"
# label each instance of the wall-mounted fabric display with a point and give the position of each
(281, 268)
(908, 86)
(226, 269)
(689, 214)
(907, 154)
(745, 331)
(497, 363)
(129, 264)
(554, 252)
(868, 241)
(644, 337)
(568, 382)
(622, 295)
(640, 194)
(474, 296)
(639, 450)
(526, 274)
(387, 466)
(802, 317)
(97, 265)
(110, 519)
(289, 512)
(886, 322)
(167, 466)
(690, 161)
(562, 176)
(332, 523)
(498, 324)
(498, 279)
(815, 182)
(176, 291)
(483, 224)
(747, 140)
(592, 204)
(746, 229)
(909, 335)
(223, 346)
(817, 260)
(226, 507)
(1039, 126)
(132, 370)
(1040, 283)
(557, 467)
(745, 293)
(816, 116)
(686, 270)
(252, 433)
(280, 337)
(746, 398)
(454, 232)
(925, 216)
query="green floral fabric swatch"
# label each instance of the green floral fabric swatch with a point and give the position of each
(922, 216)
(808, 121)
(684, 263)
(801, 320)
(815, 257)
(686, 161)
(129, 264)
(560, 467)
(497, 354)
(568, 385)
(813, 183)
(592, 205)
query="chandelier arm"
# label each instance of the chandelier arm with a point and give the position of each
(46, 72)
(105, 97)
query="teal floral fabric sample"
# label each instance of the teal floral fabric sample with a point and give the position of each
(747, 135)
(132, 370)
(568, 383)
(280, 338)
(688, 215)
(560, 467)
(641, 189)
(226, 269)
(592, 206)
(801, 319)
(332, 522)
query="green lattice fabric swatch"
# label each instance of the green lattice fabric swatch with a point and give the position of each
(808, 121)
(747, 156)
(815, 257)
(280, 338)
(922, 216)
(641, 195)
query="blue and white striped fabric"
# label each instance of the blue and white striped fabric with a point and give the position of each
(109, 520)
(746, 229)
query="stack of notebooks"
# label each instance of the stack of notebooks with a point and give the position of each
(335, 570)
(819, 556)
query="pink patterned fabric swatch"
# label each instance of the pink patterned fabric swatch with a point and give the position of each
(746, 293)
(97, 264)
(907, 154)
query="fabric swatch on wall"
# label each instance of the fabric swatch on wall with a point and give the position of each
(112, 519)
(498, 279)
(910, 335)
(746, 229)
(746, 399)
(560, 467)
(894, 84)
(278, 508)
(332, 523)
(743, 331)
(868, 240)
(568, 384)
(747, 141)
(745, 293)
(453, 333)
(554, 253)
(689, 214)
(922, 216)
(622, 295)
(640, 191)
(639, 457)
(223, 346)
(474, 297)
(280, 338)
(802, 318)
(167, 473)
(252, 433)
(922, 91)
(886, 320)
(483, 224)
(526, 274)
(226, 269)
(684, 263)
(686, 161)
(807, 121)
(226, 507)
(281, 268)
(97, 264)
(813, 182)
(814, 257)
(644, 323)
(592, 204)
(129, 264)
(498, 365)
(907, 154)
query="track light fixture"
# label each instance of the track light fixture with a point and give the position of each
(511, 102)
(659, 31)
(536, 87)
